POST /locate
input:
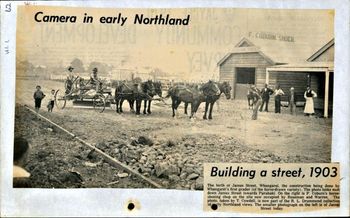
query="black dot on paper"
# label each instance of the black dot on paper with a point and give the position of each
(214, 207)
(131, 206)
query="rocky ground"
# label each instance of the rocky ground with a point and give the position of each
(57, 161)
(170, 150)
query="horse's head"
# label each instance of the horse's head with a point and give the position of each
(158, 88)
(226, 89)
(149, 88)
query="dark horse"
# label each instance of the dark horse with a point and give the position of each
(188, 95)
(157, 91)
(193, 86)
(125, 91)
(133, 91)
(250, 98)
(212, 92)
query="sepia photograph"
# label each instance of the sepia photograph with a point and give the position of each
(142, 98)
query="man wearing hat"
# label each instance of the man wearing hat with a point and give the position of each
(69, 80)
(94, 80)
(265, 95)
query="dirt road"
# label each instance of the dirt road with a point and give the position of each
(230, 137)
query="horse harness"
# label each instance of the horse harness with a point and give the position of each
(131, 93)
(218, 91)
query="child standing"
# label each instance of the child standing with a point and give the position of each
(51, 103)
(38, 96)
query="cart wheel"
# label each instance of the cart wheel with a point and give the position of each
(99, 103)
(60, 99)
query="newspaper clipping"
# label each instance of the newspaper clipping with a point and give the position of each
(271, 187)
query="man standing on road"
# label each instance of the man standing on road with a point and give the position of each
(265, 95)
(278, 93)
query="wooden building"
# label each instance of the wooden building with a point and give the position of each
(245, 65)
(317, 72)
(248, 65)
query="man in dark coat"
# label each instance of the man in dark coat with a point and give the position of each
(265, 95)
(95, 81)
(69, 80)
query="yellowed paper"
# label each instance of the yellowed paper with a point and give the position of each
(270, 188)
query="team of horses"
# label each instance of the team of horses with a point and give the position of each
(192, 94)
(137, 91)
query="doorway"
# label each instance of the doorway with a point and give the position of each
(245, 77)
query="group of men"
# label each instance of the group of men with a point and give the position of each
(261, 99)
(265, 96)
(93, 83)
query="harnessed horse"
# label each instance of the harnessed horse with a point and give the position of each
(133, 92)
(212, 92)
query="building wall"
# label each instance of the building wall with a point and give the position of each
(227, 74)
(254, 60)
(260, 77)
(296, 79)
(317, 85)
(326, 56)
(272, 79)
(299, 81)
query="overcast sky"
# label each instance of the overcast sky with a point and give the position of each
(192, 50)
